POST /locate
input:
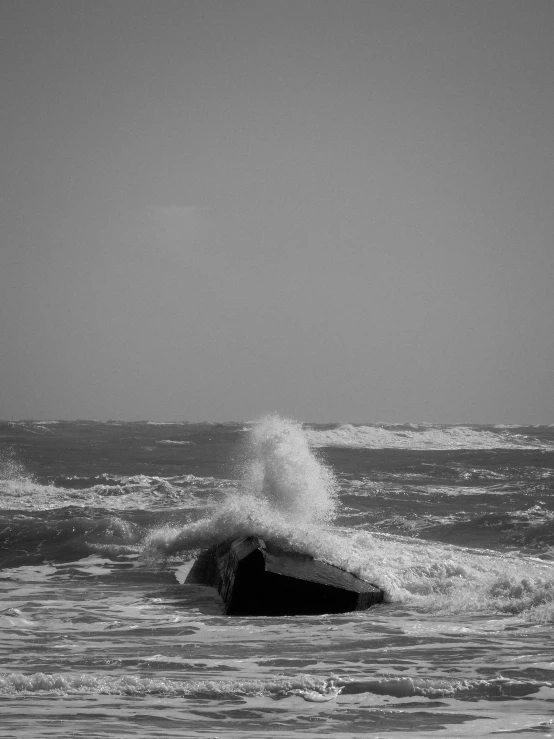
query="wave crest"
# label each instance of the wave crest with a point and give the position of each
(287, 495)
(421, 437)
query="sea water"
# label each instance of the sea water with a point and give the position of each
(102, 636)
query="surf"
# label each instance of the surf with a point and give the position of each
(285, 493)
(288, 495)
(422, 437)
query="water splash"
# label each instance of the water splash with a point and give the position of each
(286, 494)
(283, 471)
(10, 466)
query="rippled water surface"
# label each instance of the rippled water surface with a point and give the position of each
(100, 523)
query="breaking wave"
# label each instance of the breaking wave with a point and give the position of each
(286, 494)
(289, 497)
(19, 491)
(310, 688)
(424, 437)
(282, 471)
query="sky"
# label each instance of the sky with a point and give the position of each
(337, 211)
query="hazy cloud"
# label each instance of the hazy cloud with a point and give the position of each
(178, 225)
(172, 232)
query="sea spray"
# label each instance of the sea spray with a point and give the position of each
(426, 577)
(11, 468)
(286, 494)
(283, 471)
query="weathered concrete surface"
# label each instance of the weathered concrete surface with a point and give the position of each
(255, 578)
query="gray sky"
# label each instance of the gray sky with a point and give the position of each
(333, 210)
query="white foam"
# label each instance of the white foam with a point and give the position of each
(428, 577)
(313, 689)
(134, 685)
(286, 495)
(282, 470)
(165, 423)
(421, 437)
(20, 492)
(288, 498)
(172, 442)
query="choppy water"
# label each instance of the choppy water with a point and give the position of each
(100, 522)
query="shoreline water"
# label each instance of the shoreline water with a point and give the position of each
(101, 637)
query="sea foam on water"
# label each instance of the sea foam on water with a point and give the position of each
(287, 495)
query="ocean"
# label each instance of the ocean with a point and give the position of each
(101, 636)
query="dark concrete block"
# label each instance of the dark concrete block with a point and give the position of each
(256, 578)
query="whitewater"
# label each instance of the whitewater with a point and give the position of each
(101, 522)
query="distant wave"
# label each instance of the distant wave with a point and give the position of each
(32, 427)
(173, 442)
(165, 423)
(18, 492)
(422, 437)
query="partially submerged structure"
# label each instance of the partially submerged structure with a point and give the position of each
(255, 578)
